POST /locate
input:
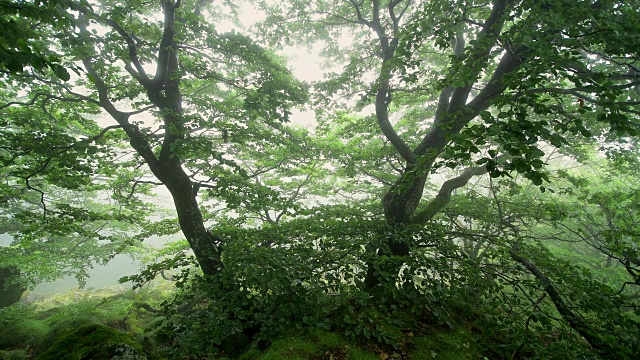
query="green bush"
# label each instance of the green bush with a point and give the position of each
(28, 333)
(19, 354)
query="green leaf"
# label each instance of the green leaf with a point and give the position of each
(60, 72)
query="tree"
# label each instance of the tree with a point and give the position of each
(481, 85)
(207, 89)
(507, 62)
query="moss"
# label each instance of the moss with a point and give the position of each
(27, 333)
(359, 354)
(60, 327)
(251, 354)
(316, 345)
(454, 345)
(327, 339)
(291, 348)
(93, 342)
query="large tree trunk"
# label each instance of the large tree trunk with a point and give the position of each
(402, 199)
(400, 204)
(205, 246)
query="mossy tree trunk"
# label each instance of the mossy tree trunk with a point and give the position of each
(11, 289)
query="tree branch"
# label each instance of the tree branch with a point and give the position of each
(575, 321)
(293, 197)
(356, 8)
(480, 53)
(141, 74)
(444, 195)
(383, 91)
(136, 137)
(166, 51)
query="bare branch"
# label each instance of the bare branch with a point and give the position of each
(293, 197)
(356, 8)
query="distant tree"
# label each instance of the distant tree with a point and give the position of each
(10, 287)
(59, 221)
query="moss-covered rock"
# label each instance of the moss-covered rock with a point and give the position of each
(94, 342)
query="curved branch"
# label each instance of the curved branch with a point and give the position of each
(382, 115)
(136, 137)
(444, 195)
(451, 123)
(141, 74)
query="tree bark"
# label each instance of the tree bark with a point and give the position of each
(402, 199)
(10, 288)
(206, 246)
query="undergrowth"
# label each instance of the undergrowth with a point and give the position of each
(193, 322)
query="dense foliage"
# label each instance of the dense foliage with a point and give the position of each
(472, 167)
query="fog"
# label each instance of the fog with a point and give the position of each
(100, 276)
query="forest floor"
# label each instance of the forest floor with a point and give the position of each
(38, 329)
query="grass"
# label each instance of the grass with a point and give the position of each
(453, 345)
(441, 345)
